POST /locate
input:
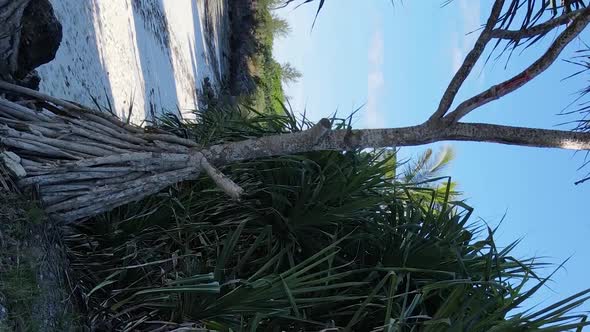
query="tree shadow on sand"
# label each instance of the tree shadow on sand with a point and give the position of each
(78, 73)
(153, 40)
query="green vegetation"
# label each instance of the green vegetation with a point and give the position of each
(326, 240)
(30, 304)
(18, 283)
(321, 240)
(289, 73)
(268, 73)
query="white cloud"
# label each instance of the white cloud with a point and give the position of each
(457, 56)
(375, 79)
(471, 13)
(376, 48)
(463, 40)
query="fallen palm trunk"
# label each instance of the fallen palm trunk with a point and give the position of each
(83, 162)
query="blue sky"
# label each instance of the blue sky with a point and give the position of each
(385, 57)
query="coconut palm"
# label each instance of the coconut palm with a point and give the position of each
(424, 179)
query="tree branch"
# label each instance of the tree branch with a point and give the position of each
(221, 180)
(521, 136)
(468, 64)
(516, 35)
(525, 76)
(342, 140)
(75, 185)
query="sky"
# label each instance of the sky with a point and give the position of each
(388, 60)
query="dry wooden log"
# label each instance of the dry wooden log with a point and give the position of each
(13, 163)
(84, 163)
(222, 181)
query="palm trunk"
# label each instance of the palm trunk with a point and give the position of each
(83, 162)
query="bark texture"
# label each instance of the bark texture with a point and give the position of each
(83, 162)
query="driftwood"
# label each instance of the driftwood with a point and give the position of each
(84, 162)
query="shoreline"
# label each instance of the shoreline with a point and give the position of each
(139, 58)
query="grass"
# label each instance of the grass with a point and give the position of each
(31, 303)
(18, 284)
(321, 240)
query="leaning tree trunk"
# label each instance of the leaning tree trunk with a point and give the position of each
(84, 162)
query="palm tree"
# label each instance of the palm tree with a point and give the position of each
(322, 240)
(65, 168)
(289, 73)
(423, 176)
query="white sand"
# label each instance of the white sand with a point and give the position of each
(151, 52)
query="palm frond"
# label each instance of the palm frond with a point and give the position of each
(324, 239)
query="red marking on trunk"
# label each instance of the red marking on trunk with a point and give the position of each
(516, 82)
